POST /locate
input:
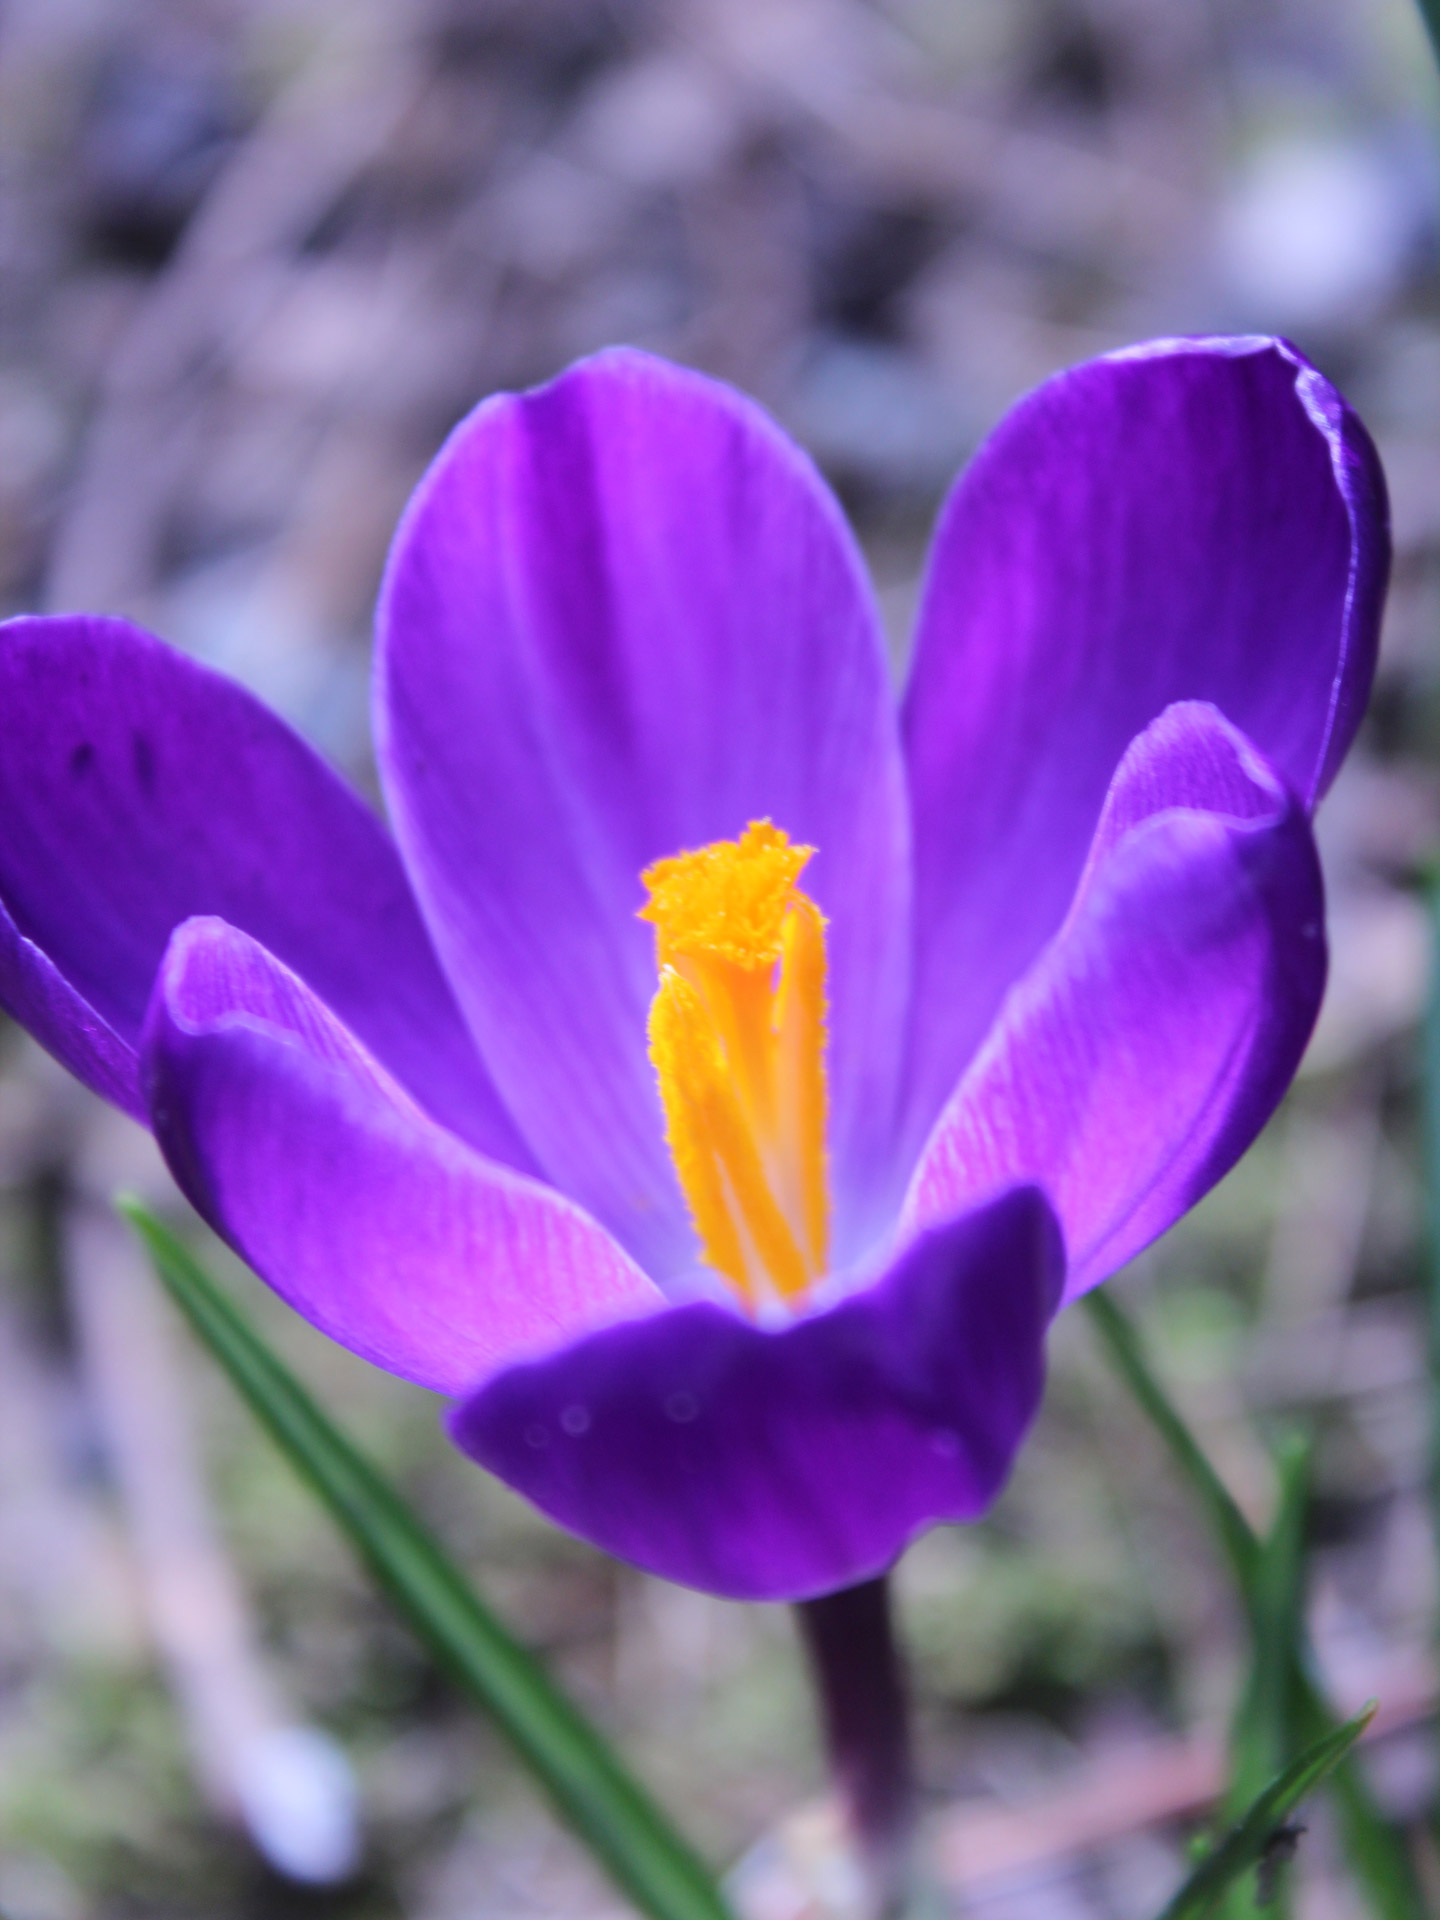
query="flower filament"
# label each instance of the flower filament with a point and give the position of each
(737, 1036)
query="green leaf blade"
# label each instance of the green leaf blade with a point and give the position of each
(1264, 1737)
(1122, 1342)
(591, 1789)
(1376, 1853)
(1246, 1842)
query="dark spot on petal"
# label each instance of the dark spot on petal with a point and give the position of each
(536, 1436)
(575, 1420)
(682, 1407)
(82, 759)
(143, 755)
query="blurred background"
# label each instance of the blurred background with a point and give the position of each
(256, 257)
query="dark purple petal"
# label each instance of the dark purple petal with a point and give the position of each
(624, 617)
(136, 789)
(35, 993)
(1148, 1045)
(381, 1228)
(778, 1464)
(1188, 520)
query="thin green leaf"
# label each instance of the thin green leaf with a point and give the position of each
(1263, 1738)
(1122, 1342)
(592, 1790)
(1376, 1852)
(1248, 1841)
(1430, 14)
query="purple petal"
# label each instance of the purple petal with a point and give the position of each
(34, 992)
(1148, 1045)
(377, 1225)
(137, 789)
(624, 617)
(1188, 520)
(772, 1465)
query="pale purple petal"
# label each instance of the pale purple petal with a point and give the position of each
(1188, 520)
(381, 1228)
(776, 1464)
(624, 617)
(138, 788)
(1141, 1054)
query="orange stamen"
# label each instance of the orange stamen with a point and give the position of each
(737, 1035)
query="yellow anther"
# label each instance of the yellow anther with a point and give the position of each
(737, 1035)
(800, 1043)
(729, 900)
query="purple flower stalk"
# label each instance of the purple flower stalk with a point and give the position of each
(735, 1229)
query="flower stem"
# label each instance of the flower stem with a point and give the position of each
(858, 1675)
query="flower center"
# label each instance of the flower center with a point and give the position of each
(737, 1035)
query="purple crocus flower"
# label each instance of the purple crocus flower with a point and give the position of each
(1066, 892)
